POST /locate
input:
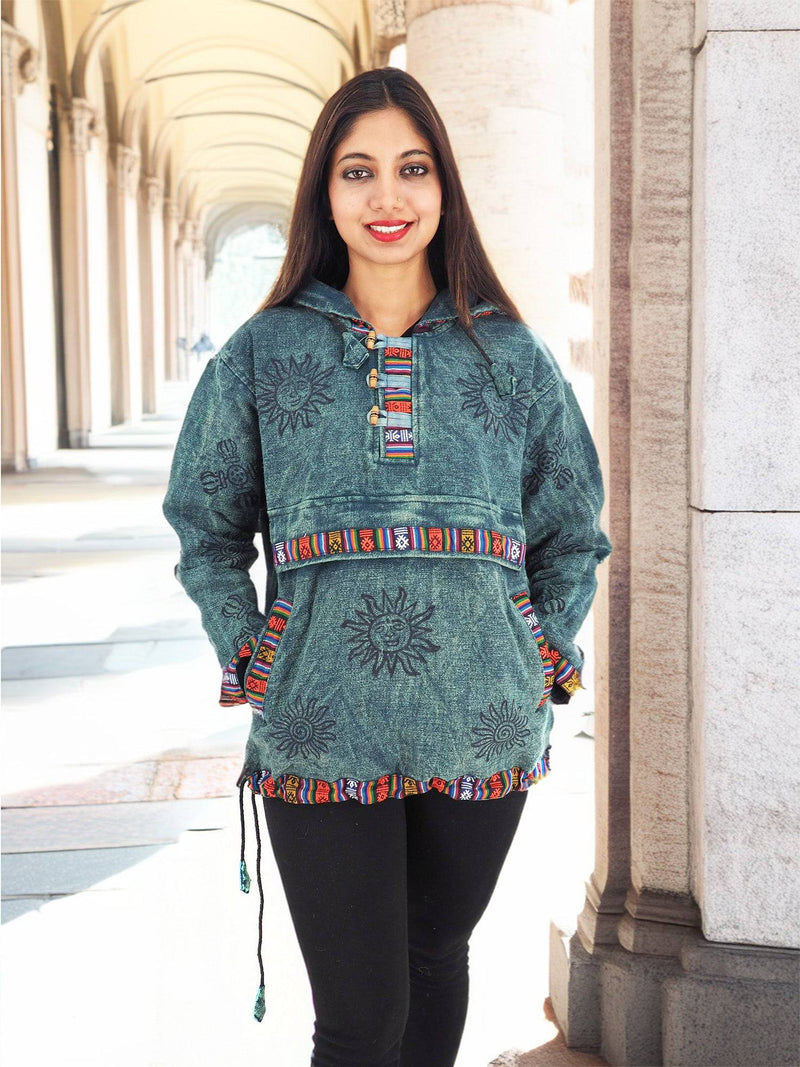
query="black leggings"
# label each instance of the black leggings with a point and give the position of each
(384, 898)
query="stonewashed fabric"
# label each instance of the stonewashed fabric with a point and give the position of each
(430, 519)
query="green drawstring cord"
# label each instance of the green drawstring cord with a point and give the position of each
(244, 884)
(244, 877)
(260, 1007)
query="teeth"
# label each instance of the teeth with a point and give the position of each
(389, 229)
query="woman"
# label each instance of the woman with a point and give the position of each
(429, 496)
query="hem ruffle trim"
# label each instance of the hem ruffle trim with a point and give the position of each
(297, 790)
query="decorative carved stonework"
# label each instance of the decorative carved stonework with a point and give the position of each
(199, 247)
(127, 168)
(389, 28)
(20, 60)
(154, 191)
(389, 18)
(82, 125)
(187, 232)
(171, 210)
(416, 8)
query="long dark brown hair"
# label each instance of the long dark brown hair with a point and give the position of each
(456, 256)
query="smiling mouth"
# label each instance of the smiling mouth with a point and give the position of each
(387, 227)
(389, 231)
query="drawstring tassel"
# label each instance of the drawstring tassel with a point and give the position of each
(260, 1006)
(260, 1010)
(244, 877)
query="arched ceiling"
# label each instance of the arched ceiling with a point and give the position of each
(218, 97)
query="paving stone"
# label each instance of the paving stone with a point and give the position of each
(209, 777)
(109, 825)
(54, 661)
(132, 782)
(15, 906)
(38, 874)
(167, 780)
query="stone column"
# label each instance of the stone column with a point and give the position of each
(199, 280)
(171, 218)
(19, 67)
(126, 382)
(682, 680)
(745, 515)
(83, 125)
(185, 295)
(151, 273)
(494, 71)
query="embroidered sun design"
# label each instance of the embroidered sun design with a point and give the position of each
(504, 415)
(503, 728)
(228, 553)
(547, 463)
(390, 633)
(303, 729)
(293, 392)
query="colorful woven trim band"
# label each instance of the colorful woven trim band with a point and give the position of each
(231, 692)
(398, 438)
(258, 675)
(456, 539)
(264, 650)
(557, 669)
(296, 790)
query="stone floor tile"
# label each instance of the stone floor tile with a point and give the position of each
(109, 825)
(40, 874)
(210, 777)
(131, 782)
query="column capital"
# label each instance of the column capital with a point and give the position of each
(389, 19)
(154, 192)
(127, 168)
(20, 60)
(188, 231)
(83, 125)
(413, 9)
(172, 210)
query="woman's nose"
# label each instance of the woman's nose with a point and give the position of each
(386, 195)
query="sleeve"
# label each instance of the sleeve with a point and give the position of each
(215, 503)
(562, 495)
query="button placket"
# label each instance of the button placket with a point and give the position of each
(394, 382)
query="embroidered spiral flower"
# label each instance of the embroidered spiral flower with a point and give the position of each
(503, 729)
(303, 729)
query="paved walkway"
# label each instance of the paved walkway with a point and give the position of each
(126, 940)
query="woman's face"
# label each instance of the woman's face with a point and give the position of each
(384, 190)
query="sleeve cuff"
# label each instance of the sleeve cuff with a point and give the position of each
(231, 692)
(566, 678)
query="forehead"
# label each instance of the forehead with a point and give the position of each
(389, 130)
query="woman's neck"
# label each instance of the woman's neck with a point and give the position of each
(390, 303)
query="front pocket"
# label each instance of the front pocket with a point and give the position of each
(263, 659)
(522, 602)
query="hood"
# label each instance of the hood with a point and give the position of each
(333, 302)
(440, 315)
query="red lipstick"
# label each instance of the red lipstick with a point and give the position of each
(394, 234)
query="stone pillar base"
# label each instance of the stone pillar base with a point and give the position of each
(711, 1005)
(78, 438)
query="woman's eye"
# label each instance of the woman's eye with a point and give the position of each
(355, 173)
(418, 169)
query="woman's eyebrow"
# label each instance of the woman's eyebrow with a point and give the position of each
(371, 159)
